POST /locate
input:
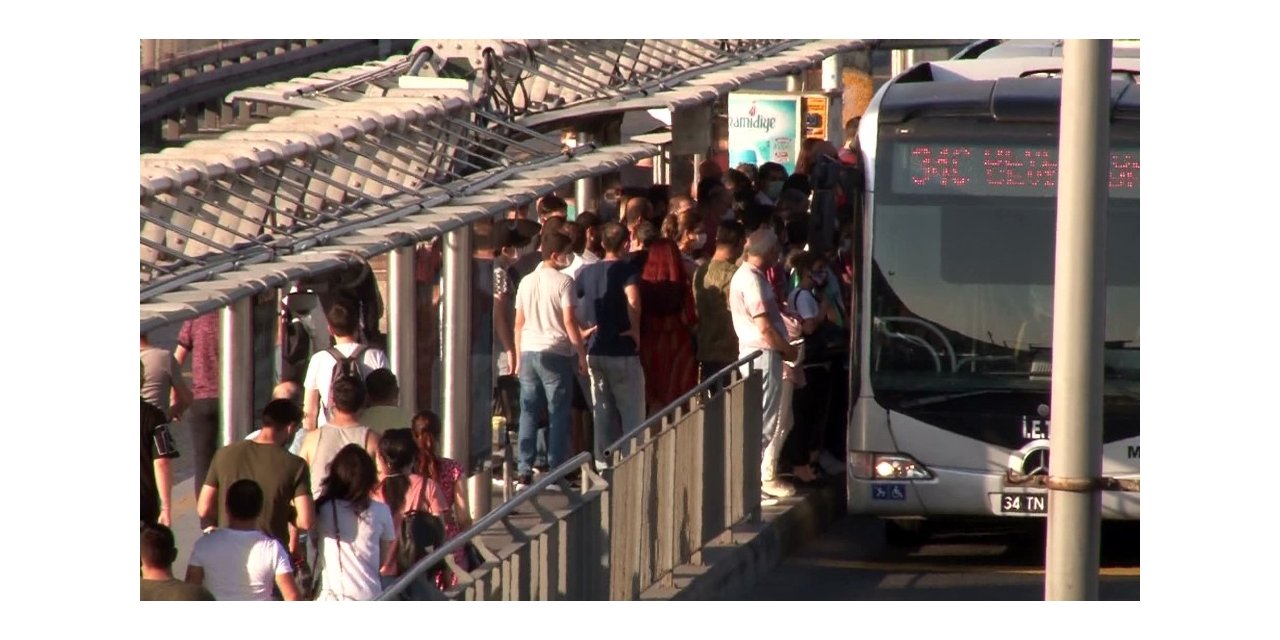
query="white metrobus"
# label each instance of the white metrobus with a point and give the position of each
(950, 372)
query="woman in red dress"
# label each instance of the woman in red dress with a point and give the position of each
(447, 474)
(667, 319)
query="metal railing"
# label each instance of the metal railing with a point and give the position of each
(557, 559)
(682, 479)
(673, 484)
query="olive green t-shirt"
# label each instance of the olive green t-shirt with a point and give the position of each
(281, 475)
(173, 589)
(716, 340)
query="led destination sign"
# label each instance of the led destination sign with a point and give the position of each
(996, 170)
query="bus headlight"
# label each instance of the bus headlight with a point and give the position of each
(887, 466)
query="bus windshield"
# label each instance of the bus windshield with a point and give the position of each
(962, 274)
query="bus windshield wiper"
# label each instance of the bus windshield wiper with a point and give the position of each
(946, 397)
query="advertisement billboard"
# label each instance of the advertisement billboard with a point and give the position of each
(764, 127)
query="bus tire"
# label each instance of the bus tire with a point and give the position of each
(904, 533)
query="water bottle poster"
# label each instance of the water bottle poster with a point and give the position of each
(764, 128)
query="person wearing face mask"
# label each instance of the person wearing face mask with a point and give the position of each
(818, 324)
(769, 183)
(510, 237)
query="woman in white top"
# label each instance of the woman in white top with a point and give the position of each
(353, 531)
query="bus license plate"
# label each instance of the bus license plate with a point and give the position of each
(1031, 503)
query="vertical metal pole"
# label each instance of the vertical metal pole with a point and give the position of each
(897, 62)
(586, 190)
(1079, 302)
(835, 106)
(697, 170)
(236, 374)
(659, 167)
(401, 325)
(456, 351)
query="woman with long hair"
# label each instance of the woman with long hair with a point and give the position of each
(354, 531)
(449, 502)
(401, 489)
(667, 319)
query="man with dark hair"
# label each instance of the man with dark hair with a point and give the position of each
(283, 478)
(342, 324)
(716, 341)
(578, 244)
(608, 299)
(547, 338)
(591, 222)
(552, 207)
(529, 262)
(715, 203)
(384, 411)
(158, 553)
(321, 445)
(582, 384)
(645, 235)
(240, 562)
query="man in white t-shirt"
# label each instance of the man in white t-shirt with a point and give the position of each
(343, 324)
(240, 562)
(757, 320)
(547, 339)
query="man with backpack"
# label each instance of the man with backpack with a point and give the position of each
(346, 359)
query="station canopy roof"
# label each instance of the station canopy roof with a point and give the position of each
(386, 154)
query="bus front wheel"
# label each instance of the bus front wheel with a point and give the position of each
(904, 533)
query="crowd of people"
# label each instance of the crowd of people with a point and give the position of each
(325, 500)
(617, 315)
(601, 321)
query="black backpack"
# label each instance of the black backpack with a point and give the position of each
(347, 367)
(419, 535)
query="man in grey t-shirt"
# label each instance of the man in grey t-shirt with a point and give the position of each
(547, 339)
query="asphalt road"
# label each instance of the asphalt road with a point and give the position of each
(853, 561)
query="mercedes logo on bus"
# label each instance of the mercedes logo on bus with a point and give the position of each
(1031, 460)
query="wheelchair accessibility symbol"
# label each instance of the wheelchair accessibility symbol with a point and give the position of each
(888, 492)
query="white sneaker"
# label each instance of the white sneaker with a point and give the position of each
(777, 488)
(830, 464)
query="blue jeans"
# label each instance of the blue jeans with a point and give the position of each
(769, 364)
(545, 380)
(617, 385)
